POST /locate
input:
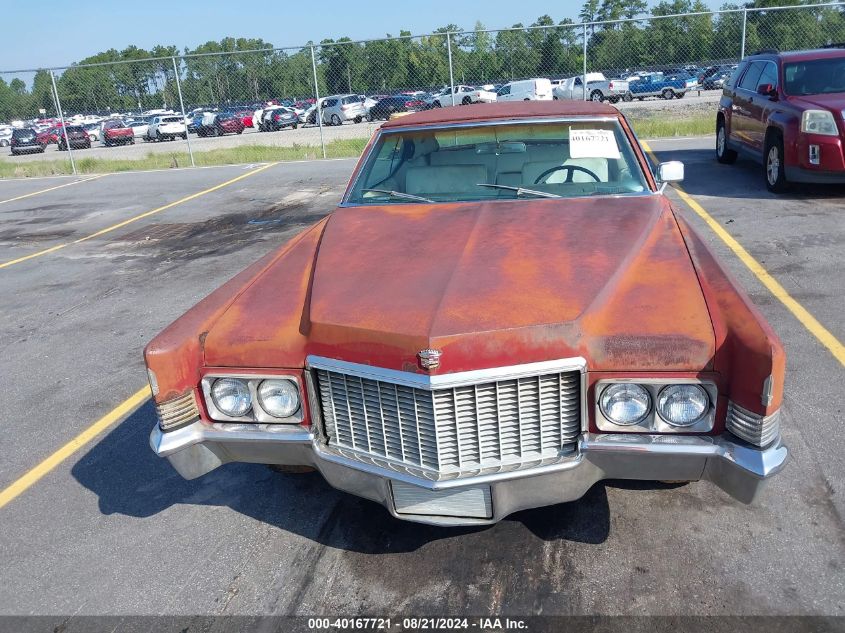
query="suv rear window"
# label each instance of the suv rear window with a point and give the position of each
(352, 99)
(23, 133)
(170, 119)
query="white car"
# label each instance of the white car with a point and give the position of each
(5, 135)
(139, 128)
(526, 90)
(464, 95)
(166, 127)
(93, 131)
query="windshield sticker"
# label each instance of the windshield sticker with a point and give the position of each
(592, 144)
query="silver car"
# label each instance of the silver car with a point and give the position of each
(338, 109)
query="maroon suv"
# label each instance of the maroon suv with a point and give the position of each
(786, 110)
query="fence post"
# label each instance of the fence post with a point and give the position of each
(744, 23)
(584, 78)
(318, 113)
(62, 119)
(451, 71)
(182, 108)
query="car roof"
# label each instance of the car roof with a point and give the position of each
(510, 110)
(798, 56)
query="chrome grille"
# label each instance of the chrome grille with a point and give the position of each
(177, 412)
(752, 427)
(450, 431)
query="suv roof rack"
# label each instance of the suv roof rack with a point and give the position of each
(766, 51)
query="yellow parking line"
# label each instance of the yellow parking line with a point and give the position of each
(815, 328)
(37, 193)
(114, 227)
(30, 478)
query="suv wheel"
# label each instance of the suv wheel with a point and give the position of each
(668, 94)
(628, 97)
(774, 168)
(597, 96)
(724, 154)
(336, 120)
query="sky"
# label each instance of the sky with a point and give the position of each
(74, 30)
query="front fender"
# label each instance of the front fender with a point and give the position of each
(748, 352)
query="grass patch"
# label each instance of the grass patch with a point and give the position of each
(666, 125)
(660, 125)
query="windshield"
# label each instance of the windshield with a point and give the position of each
(560, 159)
(815, 77)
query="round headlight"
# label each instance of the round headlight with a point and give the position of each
(279, 398)
(682, 405)
(625, 403)
(231, 397)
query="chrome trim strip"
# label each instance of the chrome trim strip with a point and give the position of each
(442, 381)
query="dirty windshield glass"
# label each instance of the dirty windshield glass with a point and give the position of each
(524, 160)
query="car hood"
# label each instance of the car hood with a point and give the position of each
(490, 284)
(834, 101)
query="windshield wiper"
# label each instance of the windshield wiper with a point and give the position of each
(400, 195)
(520, 190)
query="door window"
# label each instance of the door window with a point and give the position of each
(505, 90)
(752, 75)
(768, 76)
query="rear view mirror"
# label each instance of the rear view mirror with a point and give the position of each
(672, 171)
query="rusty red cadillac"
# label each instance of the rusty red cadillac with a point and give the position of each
(503, 310)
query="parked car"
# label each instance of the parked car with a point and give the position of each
(657, 85)
(48, 136)
(5, 136)
(139, 128)
(25, 140)
(599, 88)
(526, 90)
(166, 128)
(785, 110)
(383, 109)
(464, 95)
(716, 81)
(712, 71)
(116, 132)
(93, 131)
(282, 118)
(339, 109)
(226, 123)
(75, 136)
(457, 363)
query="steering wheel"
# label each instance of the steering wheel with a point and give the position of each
(569, 168)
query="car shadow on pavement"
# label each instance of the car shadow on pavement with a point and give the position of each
(704, 176)
(129, 479)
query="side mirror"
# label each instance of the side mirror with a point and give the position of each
(672, 171)
(767, 90)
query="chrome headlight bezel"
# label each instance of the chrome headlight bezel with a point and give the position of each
(256, 414)
(653, 422)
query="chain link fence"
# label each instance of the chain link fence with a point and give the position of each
(228, 104)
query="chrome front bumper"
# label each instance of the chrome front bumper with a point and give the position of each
(738, 469)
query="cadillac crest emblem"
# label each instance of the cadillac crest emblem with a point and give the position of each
(429, 358)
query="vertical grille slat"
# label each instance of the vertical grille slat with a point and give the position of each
(451, 431)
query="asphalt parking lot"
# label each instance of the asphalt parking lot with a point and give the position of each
(114, 530)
